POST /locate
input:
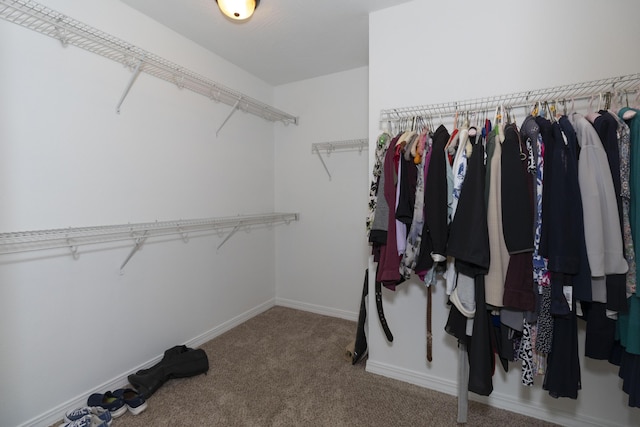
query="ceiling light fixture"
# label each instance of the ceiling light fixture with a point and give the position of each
(238, 10)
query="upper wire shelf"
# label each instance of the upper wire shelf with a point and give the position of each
(24, 241)
(614, 86)
(39, 18)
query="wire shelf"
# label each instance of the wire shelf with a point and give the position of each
(24, 241)
(344, 145)
(330, 147)
(622, 85)
(68, 31)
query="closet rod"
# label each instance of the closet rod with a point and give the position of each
(621, 85)
(329, 147)
(25, 241)
(39, 18)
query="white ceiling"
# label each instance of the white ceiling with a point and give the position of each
(284, 41)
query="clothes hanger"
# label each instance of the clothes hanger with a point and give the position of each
(591, 115)
(463, 135)
(557, 111)
(511, 116)
(418, 149)
(556, 117)
(535, 110)
(590, 108)
(453, 139)
(486, 129)
(616, 101)
(404, 124)
(607, 101)
(629, 114)
(420, 126)
(473, 129)
(547, 112)
(386, 127)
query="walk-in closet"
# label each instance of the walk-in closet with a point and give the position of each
(155, 193)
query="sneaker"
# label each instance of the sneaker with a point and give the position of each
(132, 399)
(78, 413)
(88, 420)
(114, 404)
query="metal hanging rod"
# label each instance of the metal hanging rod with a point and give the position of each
(39, 18)
(25, 241)
(579, 91)
(329, 147)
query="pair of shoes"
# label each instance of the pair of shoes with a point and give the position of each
(89, 420)
(112, 403)
(78, 413)
(132, 399)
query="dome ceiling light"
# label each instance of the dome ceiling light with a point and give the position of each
(238, 10)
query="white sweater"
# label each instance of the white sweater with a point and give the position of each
(600, 210)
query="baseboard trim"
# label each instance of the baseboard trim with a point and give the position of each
(56, 414)
(318, 309)
(230, 324)
(496, 400)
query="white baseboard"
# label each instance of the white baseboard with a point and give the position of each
(496, 400)
(57, 414)
(318, 309)
(230, 324)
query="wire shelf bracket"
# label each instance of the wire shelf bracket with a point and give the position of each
(133, 78)
(330, 147)
(233, 110)
(236, 228)
(138, 242)
(73, 238)
(68, 31)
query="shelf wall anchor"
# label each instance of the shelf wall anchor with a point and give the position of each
(74, 249)
(183, 235)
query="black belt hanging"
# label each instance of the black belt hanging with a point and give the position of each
(429, 329)
(383, 320)
(360, 347)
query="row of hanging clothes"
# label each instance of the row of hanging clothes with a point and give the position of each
(531, 228)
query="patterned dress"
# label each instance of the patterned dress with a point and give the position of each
(624, 147)
(408, 262)
(381, 148)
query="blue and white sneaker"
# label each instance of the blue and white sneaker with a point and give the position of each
(108, 401)
(89, 420)
(78, 413)
(132, 399)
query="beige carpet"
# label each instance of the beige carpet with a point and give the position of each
(287, 367)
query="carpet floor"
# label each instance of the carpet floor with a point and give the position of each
(287, 367)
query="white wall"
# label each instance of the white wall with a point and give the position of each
(429, 52)
(321, 263)
(71, 327)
